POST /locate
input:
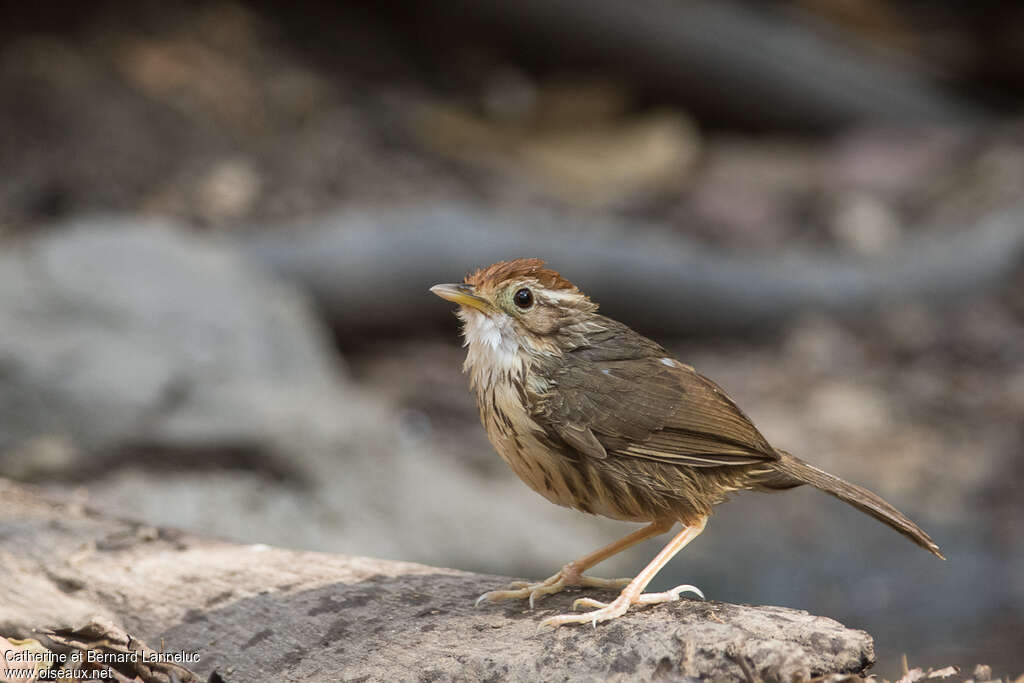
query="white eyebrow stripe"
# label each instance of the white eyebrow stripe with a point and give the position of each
(555, 296)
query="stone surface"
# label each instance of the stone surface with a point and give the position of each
(120, 331)
(255, 613)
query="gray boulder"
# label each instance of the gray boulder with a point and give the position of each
(116, 332)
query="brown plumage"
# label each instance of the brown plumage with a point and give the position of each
(596, 417)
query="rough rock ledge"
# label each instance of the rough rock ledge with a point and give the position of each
(73, 578)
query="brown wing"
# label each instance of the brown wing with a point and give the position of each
(649, 407)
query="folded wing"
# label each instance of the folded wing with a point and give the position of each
(649, 407)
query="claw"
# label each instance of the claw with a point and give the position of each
(688, 588)
(668, 596)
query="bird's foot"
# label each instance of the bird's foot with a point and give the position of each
(616, 608)
(566, 578)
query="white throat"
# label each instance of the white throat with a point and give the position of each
(493, 349)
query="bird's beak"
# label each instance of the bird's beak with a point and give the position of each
(464, 295)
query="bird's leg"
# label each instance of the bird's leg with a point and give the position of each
(633, 593)
(572, 573)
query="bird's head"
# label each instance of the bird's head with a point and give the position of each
(518, 304)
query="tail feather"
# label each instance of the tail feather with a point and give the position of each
(862, 499)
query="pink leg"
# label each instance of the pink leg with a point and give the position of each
(633, 593)
(572, 573)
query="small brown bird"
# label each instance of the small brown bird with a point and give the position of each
(593, 416)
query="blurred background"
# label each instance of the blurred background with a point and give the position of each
(219, 221)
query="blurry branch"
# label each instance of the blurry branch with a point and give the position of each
(369, 270)
(755, 66)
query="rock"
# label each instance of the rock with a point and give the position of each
(124, 331)
(256, 613)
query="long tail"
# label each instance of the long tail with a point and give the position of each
(796, 469)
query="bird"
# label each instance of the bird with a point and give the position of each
(596, 417)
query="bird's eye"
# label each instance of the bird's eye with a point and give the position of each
(523, 298)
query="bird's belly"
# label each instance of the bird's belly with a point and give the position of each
(571, 483)
(516, 437)
(531, 461)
